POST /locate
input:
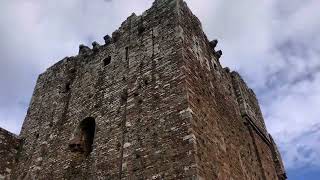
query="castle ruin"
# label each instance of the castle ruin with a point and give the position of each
(152, 103)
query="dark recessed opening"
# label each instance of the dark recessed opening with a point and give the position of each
(68, 87)
(146, 82)
(137, 156)
(140, 29)
(107, 61)
(124, 97)
(83, 139)
(88, 127)
(72, 71)
(127, 53)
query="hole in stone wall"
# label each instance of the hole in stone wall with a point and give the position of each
(124, 96)
(127, 53)
(137, 156)
(140, 29)
(72, 71)
(146, 82)
(107, 61)
(68, 87)
(84, 136)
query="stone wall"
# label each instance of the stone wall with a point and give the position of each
(229, 134)
(9, 148)
(132, 86)
(153, 102)
(248, 102)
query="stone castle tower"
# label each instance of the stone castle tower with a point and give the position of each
(153, 102)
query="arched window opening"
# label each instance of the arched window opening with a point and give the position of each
(83, 137)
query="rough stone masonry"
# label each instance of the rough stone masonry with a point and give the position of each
(153, 102)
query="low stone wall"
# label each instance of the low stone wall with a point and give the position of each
(9, 146)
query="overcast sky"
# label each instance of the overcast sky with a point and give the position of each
(274, 44)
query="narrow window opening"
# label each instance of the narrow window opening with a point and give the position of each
(127, 53)
(84, 136)
(67, 88)
(124, 97)
(107, 61)
(140, 29)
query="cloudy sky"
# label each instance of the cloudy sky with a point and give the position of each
(274, 44)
